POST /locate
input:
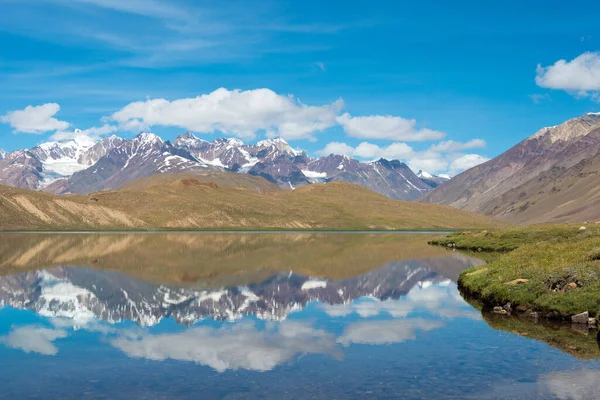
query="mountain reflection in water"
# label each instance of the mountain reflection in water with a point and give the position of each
(253, 318)
(261, 337)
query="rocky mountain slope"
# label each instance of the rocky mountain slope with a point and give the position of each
(184, 202)
(546, 178)
(82, 166)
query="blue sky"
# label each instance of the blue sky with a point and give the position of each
(397, 76)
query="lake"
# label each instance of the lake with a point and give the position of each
(267, 315)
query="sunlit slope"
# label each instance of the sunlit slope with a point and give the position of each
(184, 202)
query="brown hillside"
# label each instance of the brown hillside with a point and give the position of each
(183, 202)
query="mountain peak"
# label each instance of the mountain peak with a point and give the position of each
(148, 137)
(188, 136)
(279, 144)
(570, 129)
(424, 174)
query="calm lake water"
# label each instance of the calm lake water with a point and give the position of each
(228, 316)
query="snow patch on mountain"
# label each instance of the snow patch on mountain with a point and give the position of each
(424, 174)
(314, 284)
(314, 174)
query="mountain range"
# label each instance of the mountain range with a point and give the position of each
(551, 176)
(82, 165)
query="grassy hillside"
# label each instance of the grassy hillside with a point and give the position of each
(186, 202)
(553, 270)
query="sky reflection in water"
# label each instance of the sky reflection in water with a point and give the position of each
(402, 331)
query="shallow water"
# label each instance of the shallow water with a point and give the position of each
(227, 316)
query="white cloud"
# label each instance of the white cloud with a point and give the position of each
(386, 332)
(451, 145)
(369, 151)
(35, 119)
(93, 133)
(443, 157)
(336, 148)
(233, 112)
(580, 75)
(147, 8)
(438, 299)
(386, 127)
(33, 339)
(393, 151)
(465, 162)
(241, 346)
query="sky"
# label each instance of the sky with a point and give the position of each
(440, 85)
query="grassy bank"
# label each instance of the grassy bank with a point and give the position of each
(552, 270)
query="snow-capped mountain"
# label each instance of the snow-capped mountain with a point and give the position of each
(42, 165)
(84, 294)
(432, 180)
(63, 159)
(142, 156)
(82, 165)
(276, 161)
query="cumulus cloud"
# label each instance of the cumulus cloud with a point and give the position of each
(337, 148)
(443, 157)
(438, 299)
(35, 119)
(33, 339)
(93, 133)
(233, 112)
(386, 332)
(369, 150)
(242, 346)
(580, 75)
(386, 127)
(465, 162)
(451, 145)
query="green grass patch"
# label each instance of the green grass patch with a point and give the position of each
(550, 269)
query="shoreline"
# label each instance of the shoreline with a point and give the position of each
(155, 231)
(541, 272)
